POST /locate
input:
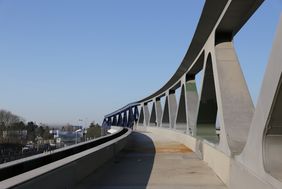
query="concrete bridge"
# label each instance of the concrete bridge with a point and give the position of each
(212, 138)
(240, 142)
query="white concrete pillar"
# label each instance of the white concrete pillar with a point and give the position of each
(158, 111)
(235, 105)
(146, 114)
(153, 117)
(192, 101)
(172, 108)
(165, 115)
(181, 119)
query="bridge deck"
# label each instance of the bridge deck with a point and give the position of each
(151, 161)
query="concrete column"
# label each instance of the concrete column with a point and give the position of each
(114, 120)
(153, 120)
(136, 113)
(165, 114)
(119, 120)
(141, 119)
(192, 100)
(235, 105)
(125, 119)
(172, 108)
(131, 118)
(110, 121)
(210, 123)
(146, 114)
(158, 111)
(181, 119)
(262, 152)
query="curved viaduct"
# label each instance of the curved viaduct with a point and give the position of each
(213, 138)
(240, 142)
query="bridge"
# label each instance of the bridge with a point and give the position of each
(212, 138)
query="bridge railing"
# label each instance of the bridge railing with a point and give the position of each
(64, 167)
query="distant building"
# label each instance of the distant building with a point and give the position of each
(68, 135)
(72, 128)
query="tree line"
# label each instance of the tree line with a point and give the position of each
(13, 129)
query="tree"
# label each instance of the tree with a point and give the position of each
(16, 133)
(39, 131)
(31, 128)
(7, 118)
(13, 126)
(94, 130)
(46, 133)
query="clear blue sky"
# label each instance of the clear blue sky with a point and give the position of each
(65, 60)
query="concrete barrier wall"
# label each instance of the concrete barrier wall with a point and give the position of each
(67, 172)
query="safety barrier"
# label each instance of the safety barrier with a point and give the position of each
(62, 168)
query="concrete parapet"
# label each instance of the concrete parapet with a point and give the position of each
(67, 172)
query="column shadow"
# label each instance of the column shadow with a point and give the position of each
(131, 168)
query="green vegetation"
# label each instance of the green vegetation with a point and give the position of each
(94, 131)
(13, 130)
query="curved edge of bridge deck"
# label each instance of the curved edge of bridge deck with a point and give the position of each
(152, 160)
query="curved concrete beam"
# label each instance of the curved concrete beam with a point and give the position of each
(216, 16)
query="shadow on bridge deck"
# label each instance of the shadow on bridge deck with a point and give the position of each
(131, 167)
(153, 161)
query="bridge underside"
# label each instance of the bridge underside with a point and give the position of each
(154, 161)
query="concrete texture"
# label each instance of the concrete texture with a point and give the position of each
(146, 114)
(141, 117)
(114, 120)
(124, 122)
(191, 105)
(154, 161)
(119, 119)
(235, 105)
(181, 120)
(206, 151)
(153, 116)
(260, 160)
(165, 114)
(242, 144)
(158, 111)
(172, 107)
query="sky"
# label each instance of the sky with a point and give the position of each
(62, 61)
